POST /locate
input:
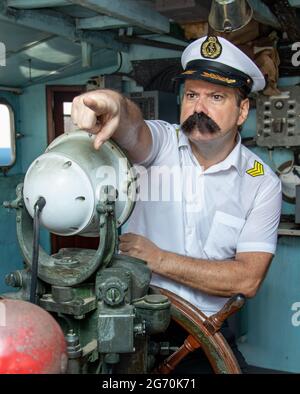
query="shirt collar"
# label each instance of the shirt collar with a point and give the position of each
(233, 159)
(182, 139)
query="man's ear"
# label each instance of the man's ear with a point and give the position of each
(244, 110)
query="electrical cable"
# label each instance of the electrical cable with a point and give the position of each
(38, 207)
(121, 63)
(119, 66)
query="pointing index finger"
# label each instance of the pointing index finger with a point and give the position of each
(98, 106)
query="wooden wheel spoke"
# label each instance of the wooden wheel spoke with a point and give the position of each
(168, 365)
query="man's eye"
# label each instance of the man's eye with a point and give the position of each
(191, 96)
(217, 97)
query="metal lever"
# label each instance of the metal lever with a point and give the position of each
(214, 322)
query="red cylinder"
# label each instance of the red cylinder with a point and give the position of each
(31, 341)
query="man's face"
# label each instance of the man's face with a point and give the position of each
(215, 109)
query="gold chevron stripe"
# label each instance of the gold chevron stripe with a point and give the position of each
(255, 173)
(257, 170)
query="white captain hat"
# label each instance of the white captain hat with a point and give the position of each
(216, 60)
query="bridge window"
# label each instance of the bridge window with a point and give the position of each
(68, 124)
(7, 136)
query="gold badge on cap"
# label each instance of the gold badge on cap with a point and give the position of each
(211, 48)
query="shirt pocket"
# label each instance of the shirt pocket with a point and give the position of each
(222, 239)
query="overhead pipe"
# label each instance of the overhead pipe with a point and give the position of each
(9, 89)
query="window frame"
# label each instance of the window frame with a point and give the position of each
(12, 134)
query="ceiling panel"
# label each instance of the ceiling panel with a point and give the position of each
(18, 69)
(15, 37)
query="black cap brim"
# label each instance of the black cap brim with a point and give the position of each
(216, 73)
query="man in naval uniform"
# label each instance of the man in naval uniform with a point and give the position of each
(216, 234)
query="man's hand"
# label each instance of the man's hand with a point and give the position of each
(97, 112)
(141, 248)
(108, 114)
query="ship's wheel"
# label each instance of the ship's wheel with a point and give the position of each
(202, 332)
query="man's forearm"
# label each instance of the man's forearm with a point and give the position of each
(222, 277)
(132, 133)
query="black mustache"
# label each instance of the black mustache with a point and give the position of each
(200, 121)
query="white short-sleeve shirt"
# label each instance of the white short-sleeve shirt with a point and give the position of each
(231, 207)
